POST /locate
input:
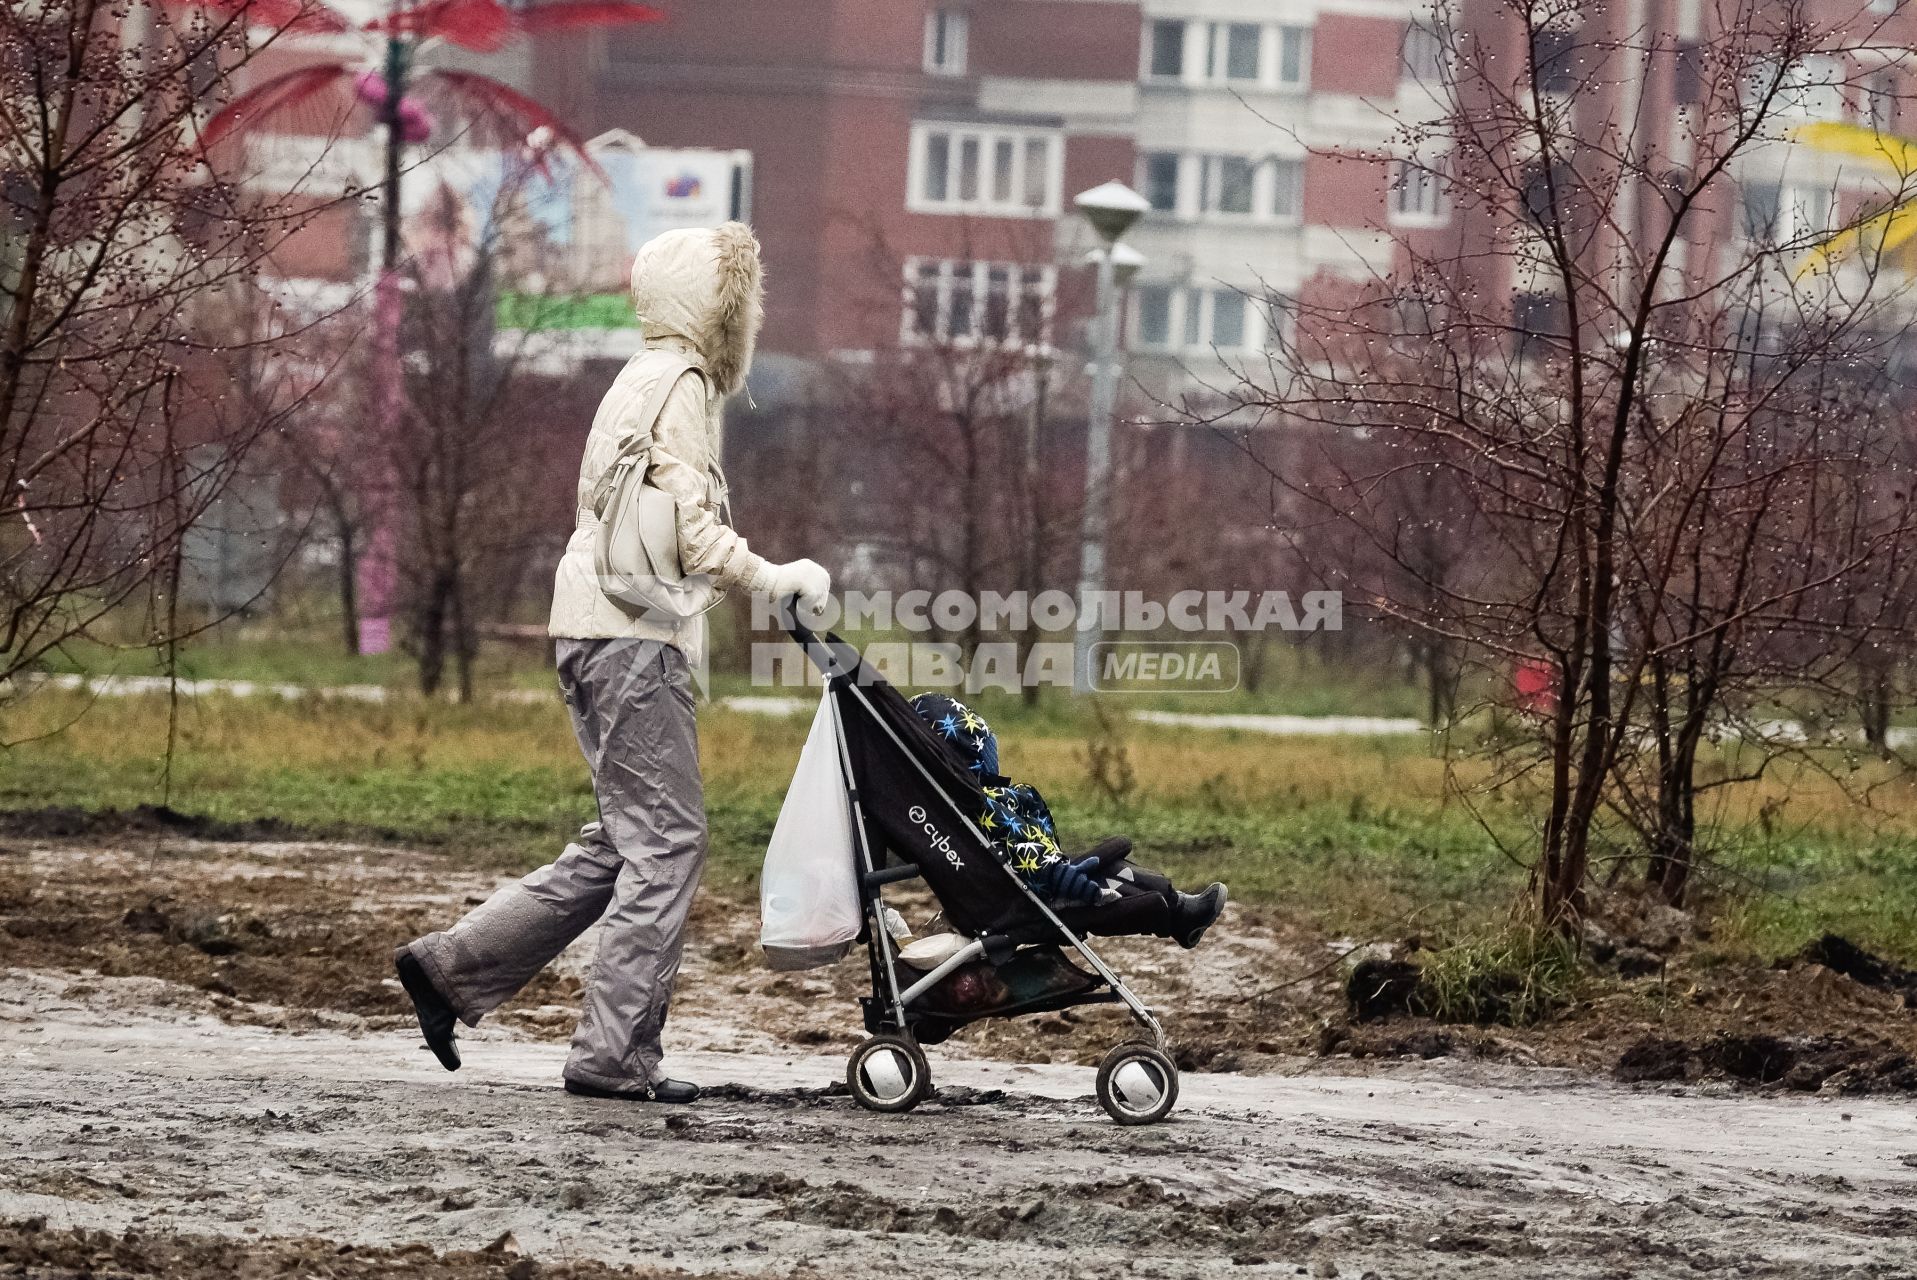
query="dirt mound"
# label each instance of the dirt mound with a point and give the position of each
(1841, 955)
(1807, 1064)
(1515, 978)
(28, 1248)
(1383, 987)
(65, 822)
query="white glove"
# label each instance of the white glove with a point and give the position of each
(805, 578)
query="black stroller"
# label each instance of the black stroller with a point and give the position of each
(914, 811)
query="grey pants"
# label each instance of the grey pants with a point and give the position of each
(632, 710)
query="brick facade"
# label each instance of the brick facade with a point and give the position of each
(826, 95)
(1266, 131)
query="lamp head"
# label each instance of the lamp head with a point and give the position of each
(1126, 262)
(1111, 209)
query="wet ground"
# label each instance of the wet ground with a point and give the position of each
(202, 1073)
(298, 935)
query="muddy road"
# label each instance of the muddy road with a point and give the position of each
(218, 1071)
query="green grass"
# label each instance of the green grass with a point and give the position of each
(1785, 894)
(506, 781)
(1357, 837)
(307, 649)
(240, 651)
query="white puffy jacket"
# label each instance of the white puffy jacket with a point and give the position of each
(699, 298)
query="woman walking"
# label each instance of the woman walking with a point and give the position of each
(626, 679)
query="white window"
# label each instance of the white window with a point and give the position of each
(997, 303)
(1154, 329)
(1275, 314)
(1227, 319)
(1240, 55)
(1158, 179)
(1417, 194)
(1762, 202)
(1415, 313)
(1809, 210)
(1223, 186)
(1038, 173)
(945, 36)
(1227, 186)
(1818, 83)
(1880, 101)
(1812, 88)
(1195, 321)
(975, 169)
(1232, 52)
(1287, 189)
(1165, 50)
(1421, 56)
(1555, 60)
(1294, 57)
(1219, 319)
(1787, 215)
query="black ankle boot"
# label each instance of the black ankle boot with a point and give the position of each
(657, 1091)
(1196, 913)
(437, 1021)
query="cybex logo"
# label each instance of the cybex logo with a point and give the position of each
(940, 843)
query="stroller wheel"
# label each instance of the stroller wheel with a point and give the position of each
(1137, 1083)
(888, 1073)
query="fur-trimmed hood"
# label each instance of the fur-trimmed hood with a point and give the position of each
(707, 287)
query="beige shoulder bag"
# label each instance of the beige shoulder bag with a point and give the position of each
(636, 555)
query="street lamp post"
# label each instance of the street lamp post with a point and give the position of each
(1111, 209)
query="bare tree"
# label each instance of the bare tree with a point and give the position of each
(130, 310)
(479, 402)
(950, 421)
(1606, 375)
(324, 466)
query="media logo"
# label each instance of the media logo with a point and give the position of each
(1127, 666)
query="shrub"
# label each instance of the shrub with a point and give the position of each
(1515, 978)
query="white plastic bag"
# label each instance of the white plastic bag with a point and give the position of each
(808, 890)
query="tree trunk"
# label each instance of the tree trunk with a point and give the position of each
(1253, 651)
(348, 583)
(1674, 846)
(971, 532)
(431, 636)
(1440, 682)
(465, 642)
(1874, 707)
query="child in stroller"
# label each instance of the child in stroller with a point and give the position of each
(1127, 898)
(916, 807)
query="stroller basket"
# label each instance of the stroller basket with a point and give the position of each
(914, 816)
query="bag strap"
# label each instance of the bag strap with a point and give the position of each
(640, 442)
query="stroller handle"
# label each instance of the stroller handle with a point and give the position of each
(789, 616)
(831, 655)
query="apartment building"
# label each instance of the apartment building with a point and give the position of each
(1266, 131)
(1788, 194)
(1251, 118)
(913, 160)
